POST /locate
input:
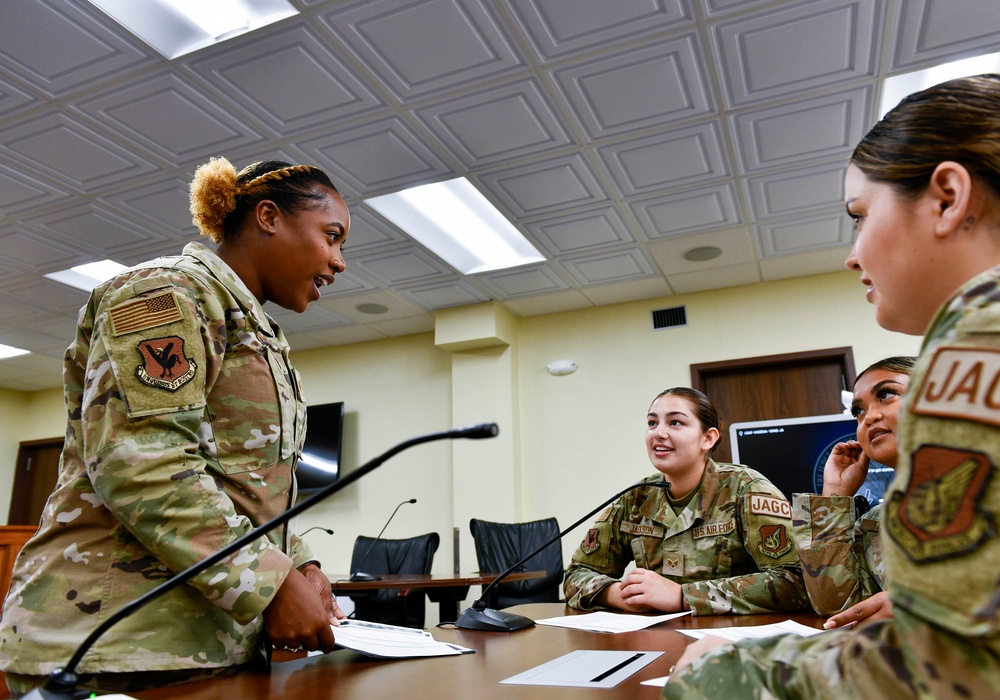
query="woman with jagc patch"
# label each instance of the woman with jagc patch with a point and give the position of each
(718, 542)
(185, 420)
(924, 190)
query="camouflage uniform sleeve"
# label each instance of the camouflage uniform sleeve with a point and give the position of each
(300, 553)
(142, 440)
(764, 519)
(600, 559)
(829, 541)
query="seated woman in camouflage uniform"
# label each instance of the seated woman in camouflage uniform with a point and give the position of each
(185, 420)
(923, 187)
(841, 554)
(718, 542)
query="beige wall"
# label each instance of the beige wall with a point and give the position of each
(567, 442)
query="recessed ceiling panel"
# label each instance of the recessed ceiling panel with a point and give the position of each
(64, 149)
(812, 45)
(498, 124)
(417, 47)
(638, 88)
(91, 228)
(804, 234)
(716, 278)
(20, 192)
(46, 295)
(164, 205)
(171, 118)
(401, 266)
(376, 158)
(802, 131)
(370, 231)
(265, 71)
(676, 158)
(557, 27)
(796, 191)
(442, 295)
(580, 231)
(546, 186)
(57, 47)
(736, 246)
(688, 212)
(33, 252)
(13, 98)
(610, 266)
(930, 31)
(523, 281)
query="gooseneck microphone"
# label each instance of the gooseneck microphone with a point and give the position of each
(61, 683)
(360, 574)
(324, 529)
(479, 617)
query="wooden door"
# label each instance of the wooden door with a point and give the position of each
(775, 386)
(34, 479)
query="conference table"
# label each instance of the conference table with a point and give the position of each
(446, 591)
(348, 675)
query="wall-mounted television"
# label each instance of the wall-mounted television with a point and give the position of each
(791, 452)
(320, 461)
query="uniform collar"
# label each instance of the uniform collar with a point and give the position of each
(232, 282)
(659, 509)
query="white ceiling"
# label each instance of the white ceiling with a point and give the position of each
(617, 135)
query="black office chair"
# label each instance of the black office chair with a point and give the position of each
(414, 555)
(500, 545)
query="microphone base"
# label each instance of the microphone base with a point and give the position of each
(492, 620)
(362, 576)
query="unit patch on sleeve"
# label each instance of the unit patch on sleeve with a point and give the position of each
(164, 364)
(962, 383)
(144, 312)
(590, 543)
(769, 505)
(773, 541)
(938, 516)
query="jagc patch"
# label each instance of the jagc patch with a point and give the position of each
(962, 383)
(143, 313)
(938, 516)
(590, 543)
(769, 505)
(164, 364)
(773, 541)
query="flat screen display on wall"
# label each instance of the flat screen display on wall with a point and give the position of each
(320, 462)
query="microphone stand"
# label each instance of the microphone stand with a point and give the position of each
(360, 575)
(479, 617)
(61, 683)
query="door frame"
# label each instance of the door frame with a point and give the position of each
(843, 355)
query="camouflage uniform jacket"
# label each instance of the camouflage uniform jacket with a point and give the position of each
(185, 420)
(731, 547)
(939, 536)
(841, 555)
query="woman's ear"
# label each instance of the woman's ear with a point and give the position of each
(710, 438)
(951, 196)
(266, 215)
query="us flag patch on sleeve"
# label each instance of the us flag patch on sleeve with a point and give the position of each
(145, 312)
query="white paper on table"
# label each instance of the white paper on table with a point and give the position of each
(390, 641)
(586, 669)
(735, 634)
(656, 682)
(609, 621)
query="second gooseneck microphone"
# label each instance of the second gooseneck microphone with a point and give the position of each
(360, 574)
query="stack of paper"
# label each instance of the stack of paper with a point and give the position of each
(391, 642)
(735, 634)
(609, 621)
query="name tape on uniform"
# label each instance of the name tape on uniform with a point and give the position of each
(962, 383)
(769, 505)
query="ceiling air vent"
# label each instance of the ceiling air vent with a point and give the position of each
(669, 318)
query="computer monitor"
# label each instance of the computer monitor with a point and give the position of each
(791, 452)
(320, 461)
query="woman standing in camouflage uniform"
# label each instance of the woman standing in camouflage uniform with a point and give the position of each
(924, 189)
(841, 554)
(719, 542)
(185, 420)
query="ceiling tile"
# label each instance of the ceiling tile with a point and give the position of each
(545, 187)
(814, 44)
(395, 308)
(402, 46)
(796, 191)
(682, 157)
(609, 266)
(19, 192)
(497, 124)
(91, 228)
(929, 31)
(830, 230)
(580, 231)
(522, 281)
(556, 302)
(803, 130)
(163, 205)
(809, 263)
(687, 212)
(404, 265)
(638, 88)
(444, 294)
(736, 246)
(554, 31)
(716, 278)
(32, 252)
(632, 290)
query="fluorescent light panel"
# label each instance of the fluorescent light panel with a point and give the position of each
(8, 351)
(897, 87)
(178, 27)
(456, 222)
(87, 276)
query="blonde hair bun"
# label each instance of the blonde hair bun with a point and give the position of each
(213, 196)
